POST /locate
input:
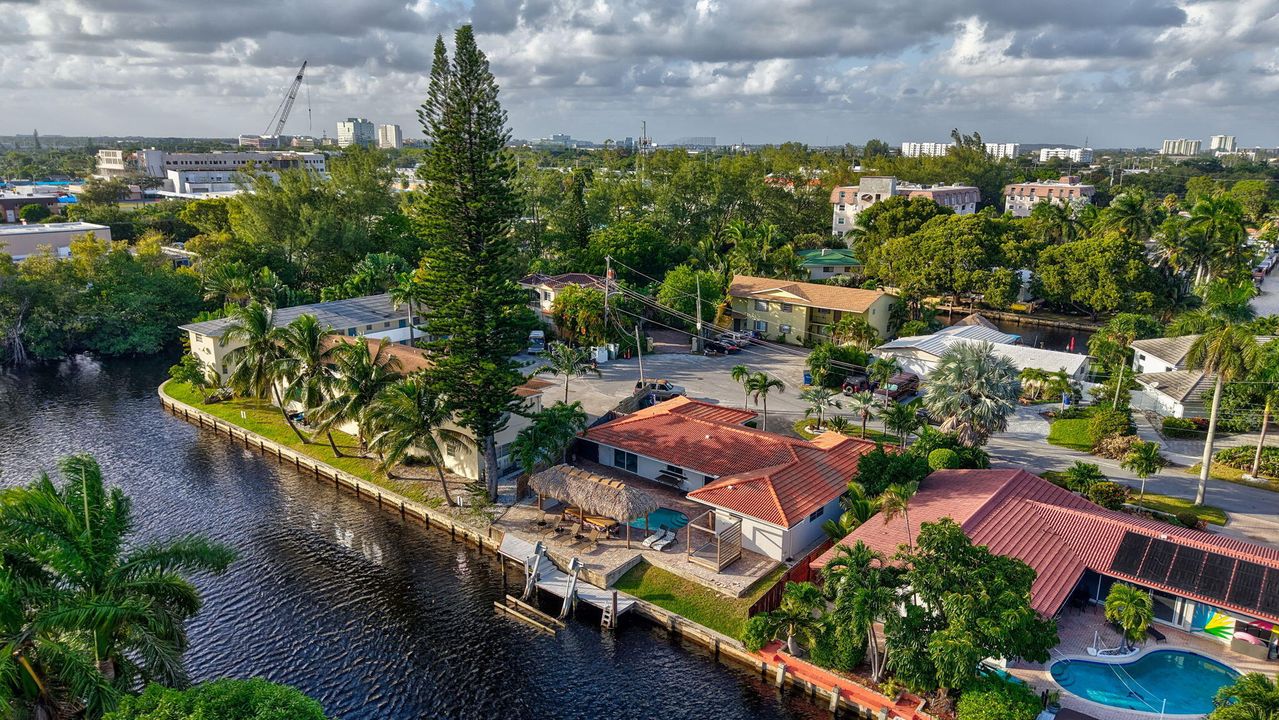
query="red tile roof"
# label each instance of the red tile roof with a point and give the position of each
(1055, 531)
(771, 477)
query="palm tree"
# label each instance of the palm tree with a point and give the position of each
(975, 390)
(568, 361)
(253, 374)
(1056, 223)
(894, 501)
(1228, 352)
(547, 439)
(1113, 341)
(856, 330)
(903, 419)
(1219, 219)
(857, 509)
(1144, 460)
(229, 283)
(361, 374)
(411, 415)
(819, 400)
(104, 620)
(1082, 475)
(741, 374)
(862, 405)
(880, 371)
(1267, 373)
(838, 423)
(1224, 302)
(1033, 381)
(405, 291)
(1131, 609)
(301, 366)
(759, 385)
(795, 616)
(1251, 696)
(864, 591)
(1130, 215)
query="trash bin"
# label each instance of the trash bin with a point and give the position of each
(808, 377)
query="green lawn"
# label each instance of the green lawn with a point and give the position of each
(265, 420)
(1174, 505)
(1234, 475)
(696, 602)
(1071, 434)
(855, 431)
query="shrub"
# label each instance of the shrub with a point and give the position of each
(1105, 422)
(931, 439)
(836, 647)
(943, 459)
(1073, 412)
(1116, 447)
(34, 213)
(1110, 495)
(996, 699)
(880, 468)
(1081, 476)
(1240, 458)
(227, 699)
(1188, 519)
(1175, 427)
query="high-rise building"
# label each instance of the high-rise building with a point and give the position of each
(925, 149)
(1181, 146)
(356, 131)
(1222, 143)
(389, 137)
(1079, 155)
(1003, 150)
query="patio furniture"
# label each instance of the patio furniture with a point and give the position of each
(656, 537)
(593, 537)
(666, 542)
(1158, 636)
(596, 500)
(575, 532)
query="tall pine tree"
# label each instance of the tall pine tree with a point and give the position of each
(469, 273)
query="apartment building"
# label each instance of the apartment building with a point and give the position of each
(1078, 155)
(1181, 146)
(1020, 198)
(21, 241)
(848, 201)
(796, 312)
(935, 149)
(1222, 143)
(356, 131)
(389, 137)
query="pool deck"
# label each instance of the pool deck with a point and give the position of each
(1076, 630)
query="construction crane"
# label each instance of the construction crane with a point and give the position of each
(282, 112)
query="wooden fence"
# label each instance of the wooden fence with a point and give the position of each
(801, 571)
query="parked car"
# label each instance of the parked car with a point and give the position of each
(714, 347)
(855, 383)
(662, 389)
(899, 386)
(737, 340)
(536, 342)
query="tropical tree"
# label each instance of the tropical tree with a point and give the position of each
(563, 359)
(1130, 608)
(881, 370)
(1144, 460)
(1252, 696)
(974, 390)
(1266, 373)
(894, 501)
(855, 330)
(1220, 220)
(405, 292)
(1113, 341)
(795, 617)
(411, 416)
(361, 373)
(1083, 475)
(253, 373)
(546, 440)
(839, 424)
(301, 366)
(857, 510)
(903, 419)
(864, 590)
(759, 385)
(862, 406)
(741, 374)
(819, 399)
(1224, 302)
(106, 613)
(1229, 353)
(1132, 215)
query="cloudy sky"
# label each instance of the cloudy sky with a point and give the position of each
(1114, 72)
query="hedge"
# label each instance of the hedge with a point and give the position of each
(1110, 495)
(1240, 458)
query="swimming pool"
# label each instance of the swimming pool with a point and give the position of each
(662, 517)
(1186, 680)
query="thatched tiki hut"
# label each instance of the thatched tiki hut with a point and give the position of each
(593, 494)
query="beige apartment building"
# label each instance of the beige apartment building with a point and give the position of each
(847, 201)
(796, 312)
(1020, 198)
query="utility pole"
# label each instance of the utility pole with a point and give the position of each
(697, 345)
(639, 352)
(608, 282)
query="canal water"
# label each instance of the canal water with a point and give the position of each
(373, 617)
(1039, 336)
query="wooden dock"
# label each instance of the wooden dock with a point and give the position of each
(555, 581)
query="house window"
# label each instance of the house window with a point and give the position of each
(841, 206)
(675, 470)
(787, 307)
(828, 269)
(841, 221)
(624, 460)
(761, 326)
(817, 513)
(761, 306)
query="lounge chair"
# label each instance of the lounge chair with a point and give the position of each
(666, 542)
(656, 537)
(593, 537)
(1158, 636)
(575, 532)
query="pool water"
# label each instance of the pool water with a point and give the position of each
(671, 519)
(1186, 680)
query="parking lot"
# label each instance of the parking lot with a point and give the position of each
(704, 378)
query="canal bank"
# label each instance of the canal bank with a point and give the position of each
(851, 700)
(364, 612)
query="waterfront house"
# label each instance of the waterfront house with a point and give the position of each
(543, 289)
(1157, 355)
(780, 489)
(1217, 585)
(921, 354)
(825, 263)
(799, 312)
(1165, 385)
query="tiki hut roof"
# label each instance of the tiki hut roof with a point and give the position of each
(593, 493)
